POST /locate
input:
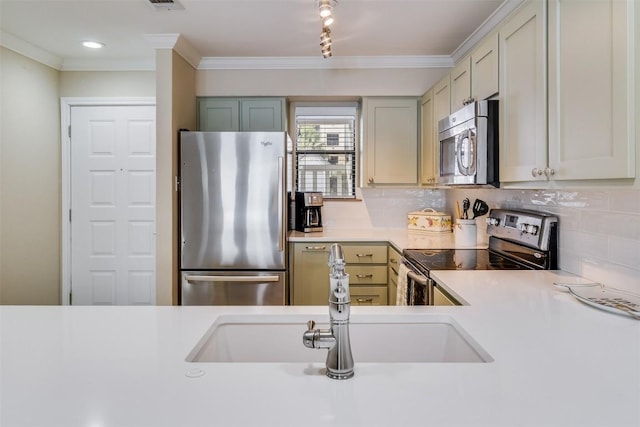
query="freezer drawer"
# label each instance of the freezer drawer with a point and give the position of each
(233, 288)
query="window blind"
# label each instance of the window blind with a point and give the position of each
(325, 151)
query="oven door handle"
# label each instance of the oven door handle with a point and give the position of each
(417, 278)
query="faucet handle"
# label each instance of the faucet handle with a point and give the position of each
(310, 325)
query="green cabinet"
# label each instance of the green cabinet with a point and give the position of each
(395, 258)
(241, 114)
(366, 264)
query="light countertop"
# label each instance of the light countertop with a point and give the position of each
(556, 362)
(400, 238)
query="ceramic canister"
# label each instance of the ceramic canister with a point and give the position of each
(429, 220)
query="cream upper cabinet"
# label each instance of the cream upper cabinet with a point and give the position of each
(441, 100)
(476, 77)
(591, 89)
(390, 140)
(523, 101)
(484, 69)
(460, 84)
(428, 137)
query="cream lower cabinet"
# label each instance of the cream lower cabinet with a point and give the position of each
(395, 258)
(442, 297)
(309, 272)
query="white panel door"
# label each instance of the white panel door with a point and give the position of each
(113, 206)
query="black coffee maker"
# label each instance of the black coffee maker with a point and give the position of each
(308, 212)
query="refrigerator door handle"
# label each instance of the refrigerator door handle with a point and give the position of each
(195, 278)
(281, 236)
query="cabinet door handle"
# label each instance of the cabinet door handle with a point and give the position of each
(364, 276)
(549, 172)
(362, 300)
(315, 248)
(364, 255)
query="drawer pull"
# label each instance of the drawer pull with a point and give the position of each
(364, 276)
(315, 248)
(361, 300)
(393, 261)
(364, 255)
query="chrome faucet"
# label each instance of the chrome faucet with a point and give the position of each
(336, 339)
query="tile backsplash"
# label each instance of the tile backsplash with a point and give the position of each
(599, 229)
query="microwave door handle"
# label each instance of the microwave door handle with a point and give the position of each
(464, 170)
(473, 151)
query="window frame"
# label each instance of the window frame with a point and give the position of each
(292, 152)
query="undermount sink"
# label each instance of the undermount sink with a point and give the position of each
(374, 339)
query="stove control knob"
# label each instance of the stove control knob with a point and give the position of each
(528, 228)
(493, 221)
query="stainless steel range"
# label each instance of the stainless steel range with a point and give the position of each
(518, 240)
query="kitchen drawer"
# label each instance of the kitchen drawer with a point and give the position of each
(367, 274)
(368, 295)
(365, 254)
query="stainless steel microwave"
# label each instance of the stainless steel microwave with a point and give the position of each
(468, 142)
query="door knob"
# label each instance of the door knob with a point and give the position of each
(549, 172)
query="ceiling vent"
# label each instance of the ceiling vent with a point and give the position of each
(166, 4)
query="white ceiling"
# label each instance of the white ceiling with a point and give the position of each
(239, 28)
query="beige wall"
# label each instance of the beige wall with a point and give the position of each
(30, 174)
(175, 109)
(29, 181)
(329, 82)
(108, 83)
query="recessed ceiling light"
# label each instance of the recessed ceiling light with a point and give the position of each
(93, 45)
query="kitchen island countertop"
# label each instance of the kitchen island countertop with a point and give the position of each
(556, 362)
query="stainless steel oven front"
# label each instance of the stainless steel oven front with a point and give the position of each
(419, 286)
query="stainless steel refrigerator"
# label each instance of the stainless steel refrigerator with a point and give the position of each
(233, 218)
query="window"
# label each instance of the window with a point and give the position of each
(325, 149)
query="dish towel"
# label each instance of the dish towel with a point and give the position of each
(401, 293)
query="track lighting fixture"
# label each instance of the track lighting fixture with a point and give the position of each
(326, 17)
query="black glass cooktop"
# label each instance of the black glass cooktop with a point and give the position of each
(460, 259)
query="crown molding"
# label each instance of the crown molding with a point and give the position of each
(176, 42)
(485, 28)
(313, 62)
(29, 50)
